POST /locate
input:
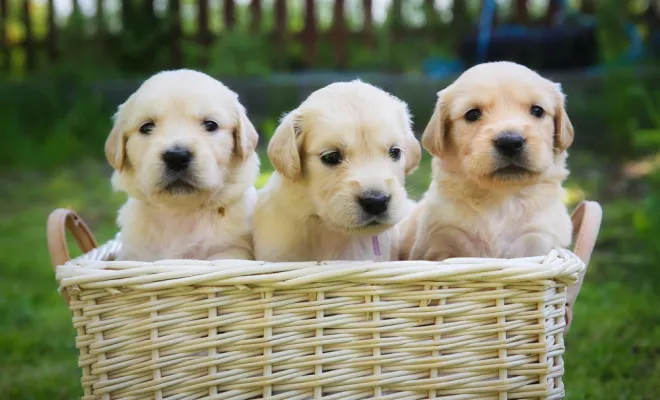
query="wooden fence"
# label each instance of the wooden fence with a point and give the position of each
(339, 33)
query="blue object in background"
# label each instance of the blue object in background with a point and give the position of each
(634, 53)
(573, 35)
(441, 68)
(485, 26)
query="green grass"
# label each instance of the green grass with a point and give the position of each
(613, 349)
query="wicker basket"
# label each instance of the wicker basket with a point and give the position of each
(233, 329)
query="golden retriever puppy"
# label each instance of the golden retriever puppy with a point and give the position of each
(498, 137)
(338, 190)
(183, 149)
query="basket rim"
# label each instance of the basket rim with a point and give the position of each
(93, 272)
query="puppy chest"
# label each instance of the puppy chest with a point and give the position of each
(496, 239)
(476, 237)
(331, 247)
(196, 237)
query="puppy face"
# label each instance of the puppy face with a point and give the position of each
(500, 124)
(177, 136)
(350, 146)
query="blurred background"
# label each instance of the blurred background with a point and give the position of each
(65, 65)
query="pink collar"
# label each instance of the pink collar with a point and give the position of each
(376, 245)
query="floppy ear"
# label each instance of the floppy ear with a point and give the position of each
(435, 134)
(563, 128)
(283, 150)
(115, 144)
(245, 136)
(413, 150)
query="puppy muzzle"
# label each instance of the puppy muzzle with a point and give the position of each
(374, 206)
(179, 176)
(511, 155)
(509, 144)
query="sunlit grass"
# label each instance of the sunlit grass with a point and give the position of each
(263, 178)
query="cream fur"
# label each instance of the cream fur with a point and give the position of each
(470, 210)
(214, 220)
(308, 210)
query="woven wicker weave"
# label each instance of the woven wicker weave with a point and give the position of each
(233, 329)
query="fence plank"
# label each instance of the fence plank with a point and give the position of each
(588, 7)
(522, 13)
(51, 34)
(552, 13)
(431, 15)
(124, 12)
(101, 38)
(397, 19)
(203, 31)
(100, 20)
(653, 14)
(4, 47)
(368, 28)
(174, 18)
(310, 33)
(280, 17)
(460, 20)
(230, 14)
(496, 14)
(100, 15)
(280, 32)
(28, 43)
(338, 33)
(149, 10)
(256, 14)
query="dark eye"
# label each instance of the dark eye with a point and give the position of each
(331, 158)
(537, 111)
(147, 127)
(395, 153)
(210, 126)
(473, 115)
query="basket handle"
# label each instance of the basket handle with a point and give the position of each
(586, 220)
(58, 222)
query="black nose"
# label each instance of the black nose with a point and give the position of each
(509, 143)
(177, 158)
(374, 203)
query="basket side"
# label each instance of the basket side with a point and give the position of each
(371, 333)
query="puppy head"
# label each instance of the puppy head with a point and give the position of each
(500, 124)
(349, 145)
(179, 134)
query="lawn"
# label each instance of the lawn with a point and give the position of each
(613, 349)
